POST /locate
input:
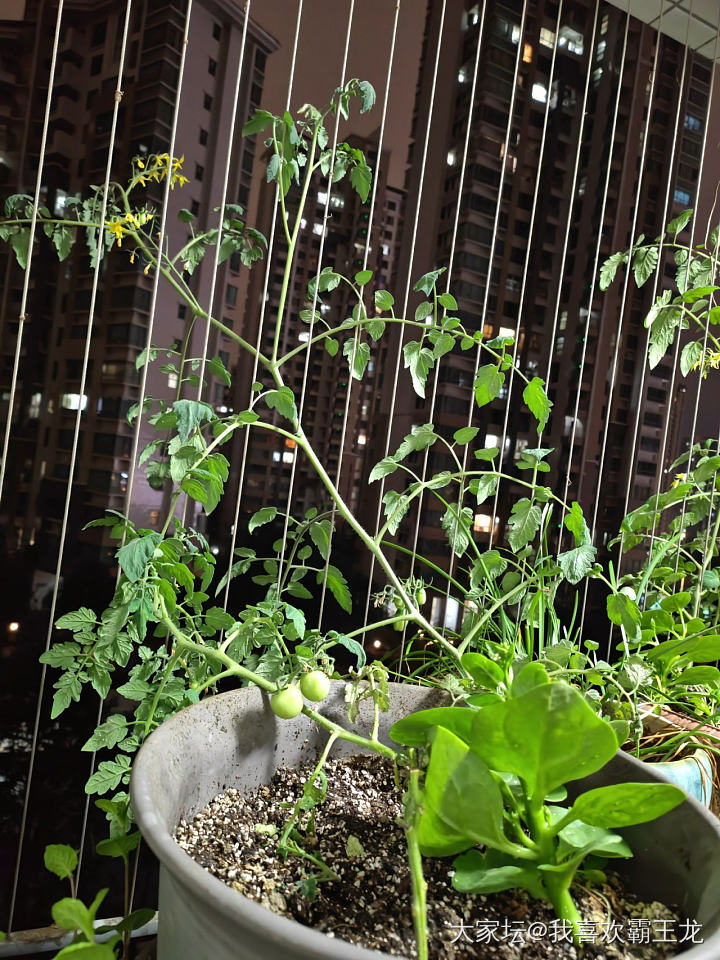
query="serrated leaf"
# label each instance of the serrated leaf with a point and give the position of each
(538, 402)
(60, 859)
(260, 517)
(457, 526)
(691, 355)
(367, 92)
(357, 355)
(382, 469)
(523, 523)
(420, 361)
(108, 775)
(426, 283)
(645, 262)
(361, 179)
(320, 536)
(79, 620)
(678, 224)
(337, 584)
(395, 505)
(577, 563)
(134, 556)
(282, 400)
(190, 414)
(488, 383)
(108, 734)
(609, 269)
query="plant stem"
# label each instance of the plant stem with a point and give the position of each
(310, 782)
(413, 809)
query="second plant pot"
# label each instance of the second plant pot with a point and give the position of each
(234, 740)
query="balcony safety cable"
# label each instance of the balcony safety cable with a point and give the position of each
(316, 290)
(83, 382)
(621, 309)
(451, 262)
(366, 254)
(143, 380)
(29, 262)
(406, 298)
(261, 324)
(706, 332)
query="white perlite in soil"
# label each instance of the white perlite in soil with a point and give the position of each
(358, 834)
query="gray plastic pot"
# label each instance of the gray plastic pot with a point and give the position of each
(234, 740)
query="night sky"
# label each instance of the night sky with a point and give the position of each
(320, 55)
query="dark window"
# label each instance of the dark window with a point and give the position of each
(199, 171)
(98, 34)
(195, 207)
(126, 333)
(96, 65)
(217, 31)
(260, 59)
(111, 445)
(230, 295)
(182, 311)
(207, 101)
(203, 138)
(212, 67)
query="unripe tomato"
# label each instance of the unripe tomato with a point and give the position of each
(399, 625)
(421, 596)
(287, 703)
(315, 685)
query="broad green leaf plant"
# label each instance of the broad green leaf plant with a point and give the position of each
(166, 639)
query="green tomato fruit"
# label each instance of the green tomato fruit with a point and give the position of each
(315, 685)
(287, 703)
(421, 596)
(399, 625)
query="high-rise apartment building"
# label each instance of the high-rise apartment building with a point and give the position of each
(504, 160)
(349, 229)
(58, 308)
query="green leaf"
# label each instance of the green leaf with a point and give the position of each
(679, 223)
(135, 555)
(457, 528)
(62, 241)
(260, 517)
(351, 645)
(190, 414)
(135, 689)
(337, 584)
(462, 805)
(297, 620)
(331, 345)
(426, 283)
(420, 361)
(108, 775)
(118, 846)
(218, 619)
(367, 92)
(384, 300)
(20, 242)
(88, 951)
(72, 914)
(61, 655)
(691, 355)
(537, 401)
(361, 179)
(395, 506)
(484, 671)
(484, 487)
(363, 277)
(624, 612)
(547, 737)
(108, 734)
(282, 400)
(448, 301)
(217, 369)
(474, 873)
(609, 269)
(60, 859)
(416, 729)
(625, 804)
(577, 563)
(357, 354)
(645, 262)
(259, 121)
(382, 469)
(320, 536)
(523, 523)
(488, 383)
(185, 216)
(78, 621)
(465, 435)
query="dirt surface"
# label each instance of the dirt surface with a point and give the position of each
(358, 836)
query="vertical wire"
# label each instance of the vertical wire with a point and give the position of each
(376, 180)
(73, 455)
(451, 260)
(526, 267)
(311, 326)
(156, 275)
(618, 333)
(28, 265)
(261, 324)
(411, 259)
(716, 254)
(148, 343)
(223, 201)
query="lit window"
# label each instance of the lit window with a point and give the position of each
(172, 381)
(482, 523)
(597, 74)
(288, 456)
(506, 332)
(462, 75)
(693, 123)
(276, 456)
(303, 336)
(491, 440)
(547, 37)
(563, 319)
(539, 92)
(600, 52)
(60, 202)
(571, 40)
(451, 158)
(70, 401)
(527, 53)
(386, 249)
(362, 439)
(681, 196)
(337, 203)
(317, 229)
(303, 223)
(36, 403)
(321, 196)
